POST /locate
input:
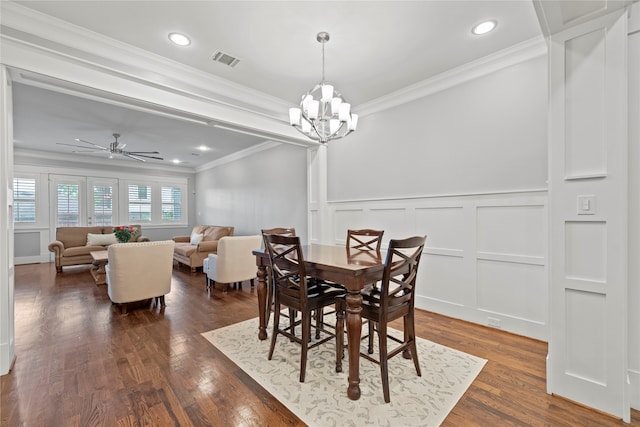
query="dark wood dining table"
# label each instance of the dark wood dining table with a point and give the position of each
(350, 267)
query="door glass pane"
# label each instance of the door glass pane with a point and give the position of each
(24, 200)
(68, 205)
(171, 204)
(139, 203)
(103, 204)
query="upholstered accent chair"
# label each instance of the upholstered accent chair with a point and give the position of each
(234, 262)
(139, 271)
(193, 249)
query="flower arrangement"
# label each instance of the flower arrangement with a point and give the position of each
(124, 232)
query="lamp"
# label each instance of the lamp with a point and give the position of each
(323, 114)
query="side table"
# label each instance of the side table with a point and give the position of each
(98, 271)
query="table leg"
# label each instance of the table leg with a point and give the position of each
(354, 332)
(262, 301)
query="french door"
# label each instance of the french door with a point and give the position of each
(83, 201)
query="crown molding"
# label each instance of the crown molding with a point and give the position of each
(521, 52)
(267, 145)
(80, 43)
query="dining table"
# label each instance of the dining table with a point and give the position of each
(352, 268)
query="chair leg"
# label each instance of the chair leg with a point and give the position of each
(319, 318)
(292, 321)
(339, 336)
(276, 323)
(253, 283)
(384, 360)
(371, 334)
(410, 334)
(306, 337)
(161, 301)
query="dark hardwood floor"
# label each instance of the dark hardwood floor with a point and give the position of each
(80, 363)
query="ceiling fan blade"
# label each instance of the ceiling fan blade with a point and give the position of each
(91, 143)
(80, 146)
(133, 157)
(143, 152)
(137, 154)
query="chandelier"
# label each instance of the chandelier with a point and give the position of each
(323, 114)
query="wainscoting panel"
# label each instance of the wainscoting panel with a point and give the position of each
(587, 336)
(510, 289)
(485, 260)
(30, 246)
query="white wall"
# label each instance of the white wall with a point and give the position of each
(262, 190)
(467, 166)
(485, 135)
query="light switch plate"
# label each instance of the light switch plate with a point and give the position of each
(586, 205)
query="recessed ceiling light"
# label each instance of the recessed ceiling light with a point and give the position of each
(176, 161)
(484, 27)
(203, 148)
(179, 39)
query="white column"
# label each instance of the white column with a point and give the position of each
(7, 329)
(319, 220)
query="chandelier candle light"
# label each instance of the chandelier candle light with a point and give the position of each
(323, 114)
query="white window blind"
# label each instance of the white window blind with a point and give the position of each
(171, 204)
(68, 205)
(24, 200)
(103, 204)
(139, 203)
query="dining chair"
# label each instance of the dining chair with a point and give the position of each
(395, 299)
(365, 239)
(295, 290)
(280, 231)
(369, 240)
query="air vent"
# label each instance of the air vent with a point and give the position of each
(224, 58)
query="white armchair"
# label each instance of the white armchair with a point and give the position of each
(234, 262)
(139, 271)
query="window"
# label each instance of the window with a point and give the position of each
(171, 204)
(68, 205)
(103, 204)
(139, 203)
(24, 200)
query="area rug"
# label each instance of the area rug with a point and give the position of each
(322, 399)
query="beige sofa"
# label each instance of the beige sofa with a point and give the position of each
(71, 245)
(192, 251)
(139, 271)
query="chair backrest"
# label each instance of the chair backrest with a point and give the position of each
(397, 289)
(287, 265)
(235, 260)
(366, 239)
(136, 271)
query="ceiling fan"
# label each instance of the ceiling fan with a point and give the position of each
(113, 149)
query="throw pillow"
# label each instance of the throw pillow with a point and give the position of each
(196, 238)
(101, 239)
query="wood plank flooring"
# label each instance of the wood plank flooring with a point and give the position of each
(80, 363)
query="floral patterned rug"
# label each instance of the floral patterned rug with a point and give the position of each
(322, 399)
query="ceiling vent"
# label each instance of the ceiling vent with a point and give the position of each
(224, 58)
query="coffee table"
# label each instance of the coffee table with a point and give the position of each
(98, 271)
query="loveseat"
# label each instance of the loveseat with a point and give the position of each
(73, 245)
(193, 249)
